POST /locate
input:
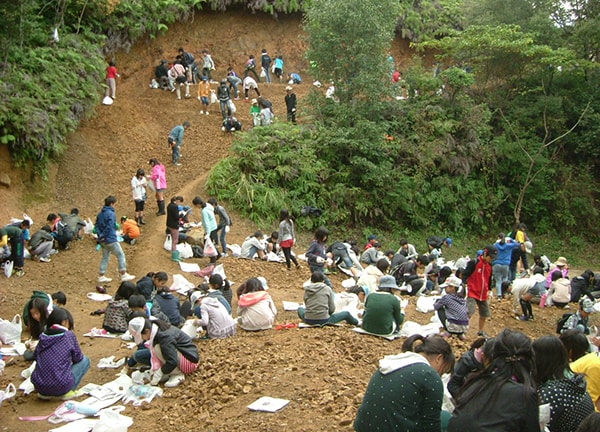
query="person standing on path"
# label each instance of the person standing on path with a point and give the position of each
(173, 225)
(265, 62)
(106, 229)
(290, 103)
(138, 190)
(223, 225)
(478, 275)
(176, 140)
(224, 96)
(159, 184)
(287, 237)
(111, 80)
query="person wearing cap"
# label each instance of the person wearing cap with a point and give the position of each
(372, 254)
(580, 320)
(255, 112)
(371, 240)
(204, 94)
(175, 140)
(130, 230)
(383, 313)
(319, 300)
(250, 84)
(290, 104)
(452, 309)
(256, 309)
(501, 264)
(173, 354)
(478, 275)
(560, 265)
(253, 246)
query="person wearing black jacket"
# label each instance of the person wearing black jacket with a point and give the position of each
(173, 225)
(290, 103)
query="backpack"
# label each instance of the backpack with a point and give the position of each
(64, 233)
(561, 322)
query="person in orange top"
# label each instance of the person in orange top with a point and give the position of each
(204, 94)
(131, 230)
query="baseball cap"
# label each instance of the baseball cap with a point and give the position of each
(452, 281)
(195, 296)
(372, 237)
(136, 327)
(263, 282)
(449, 241)
(587, 305)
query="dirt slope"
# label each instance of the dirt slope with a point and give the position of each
(322, 371)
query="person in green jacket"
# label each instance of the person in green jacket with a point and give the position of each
(383, 314)
(406, 392)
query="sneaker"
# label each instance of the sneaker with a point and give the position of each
(44, 259)
(133, 241)
(104, 279)
(175, 380)
(523, 318)
(224, 255)
(483, 334)
(18, 272)
(177, 164)
(127, 277)
(201, 111)
(52, 252)
(206, 112)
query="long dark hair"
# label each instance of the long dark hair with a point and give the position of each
(284, 214)
(551, 359)
(576, 343)
(512, 360)
(37, 327)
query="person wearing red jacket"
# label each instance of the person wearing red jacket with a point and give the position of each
(478, 275)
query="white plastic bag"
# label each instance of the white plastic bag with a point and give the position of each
(181, 284)
(107, 100)
(167, 243)
(232, 107)
(112, 421)
(8, 393)
(209, 248)
(190, 329)
(213, 97)
(263, 72)
(89, 226)
(10, 331)
(185, 250)
(220, 270)
(8, 268)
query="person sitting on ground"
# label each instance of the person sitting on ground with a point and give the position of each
(217, 283)
(559, 293)
(541, 261)
(371, 240)
(383, 313)
(178, 355)
(150, 284)
(130, 229)
(559, 386)
(35, 314)
(531, 291)
(169, 305)
(75, 222)
(62, 233)
(59, 299)
(387, 406)
(372, 254)
(582, 286)
(256, 309)
(369, 278)
(41, 244)
(205, 289)
(319, 300)
(580, 319)
(351, 300)
(435, 244)
(116, 316)
(215, 319)
(561, 265)
(583, 361)
(60, 364)
(253, 246)
(271, 243)
(406, 249)
(407, 274)
(138, 303)
(475, 360)
(452, 309)
(502, 397)
(231, 124)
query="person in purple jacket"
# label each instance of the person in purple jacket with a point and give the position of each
(60, 363)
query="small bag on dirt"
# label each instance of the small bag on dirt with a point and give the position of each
(167, 243)
(213, 97)
(10, 331)
(263, 73)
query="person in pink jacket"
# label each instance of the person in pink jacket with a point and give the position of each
(159, 179)
(256, 310)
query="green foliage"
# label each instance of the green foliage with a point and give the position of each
(425, 20)
(340, 50)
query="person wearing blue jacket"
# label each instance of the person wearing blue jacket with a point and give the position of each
(501, 263)
(106, 229)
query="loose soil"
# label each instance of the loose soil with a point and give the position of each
(323, 372)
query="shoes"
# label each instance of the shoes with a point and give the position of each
(172, 90)
(176, 164)
(201, 111)
(127, 277)
(175, 380)
(104, 279)
(179, 98)
(67, 396)
(52, 252)
(224, 255)
(44, 259)
(133, 241)
(523, 318)
(483, 334)
(18, 272)
(237, 98)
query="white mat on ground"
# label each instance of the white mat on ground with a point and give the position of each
(410, 328)
(99, 297)
(425, 303)
(388, 337)
(188, 267)
(181, 284)
(96, 332)
(304, 325)
(268, 404)
(13, 350)
(291, 306)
